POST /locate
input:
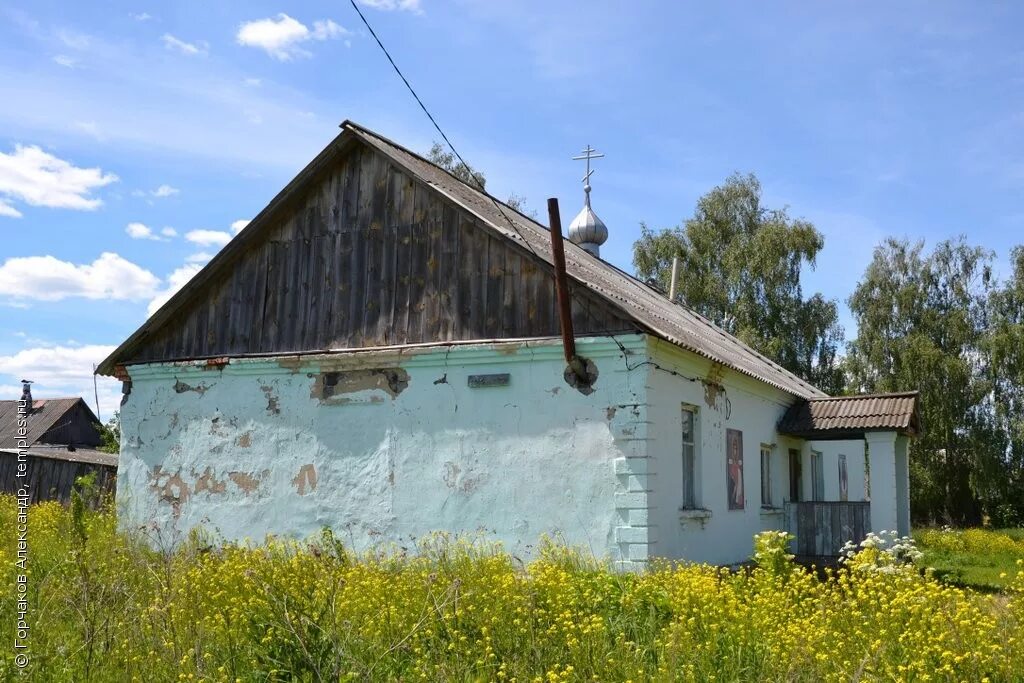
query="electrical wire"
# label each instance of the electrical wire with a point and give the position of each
(430, 116)
(656, 366)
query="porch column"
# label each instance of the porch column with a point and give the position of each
(902, 486)
(882, 454)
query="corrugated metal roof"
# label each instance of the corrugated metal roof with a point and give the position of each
(853, 414)
(652, 310)
(46, 413)
(673, 322)
(86, 455)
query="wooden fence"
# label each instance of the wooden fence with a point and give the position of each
(53, 478)
(822, 528)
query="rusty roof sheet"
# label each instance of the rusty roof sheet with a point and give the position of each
(851, 415)
(673, 322)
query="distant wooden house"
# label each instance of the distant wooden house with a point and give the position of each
(60, 446)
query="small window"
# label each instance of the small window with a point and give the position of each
(844, 479)
(766, 476)
(734, 468)
(817, 477)
(689, 457)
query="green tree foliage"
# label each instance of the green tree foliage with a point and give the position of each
(441, 157)
(1006, 354)
(740, 266)
(923, 323)
(110, 434)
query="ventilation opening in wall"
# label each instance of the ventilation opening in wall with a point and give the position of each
(330, 384)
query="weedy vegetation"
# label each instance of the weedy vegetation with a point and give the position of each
(107, 606)
(981, 559)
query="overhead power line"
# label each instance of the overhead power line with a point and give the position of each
(430, 116)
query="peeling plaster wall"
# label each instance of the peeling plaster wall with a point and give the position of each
(719, 535)
(385, 447)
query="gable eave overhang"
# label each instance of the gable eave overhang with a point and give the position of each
(238, 244)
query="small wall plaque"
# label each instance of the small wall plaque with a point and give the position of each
(498, 379)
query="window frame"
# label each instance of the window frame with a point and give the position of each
(767, 451)
(690, 490)
(817, 476)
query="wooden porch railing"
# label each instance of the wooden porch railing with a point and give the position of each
(823, 527)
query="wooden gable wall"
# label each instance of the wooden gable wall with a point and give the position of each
(77, 427)
(368, 256)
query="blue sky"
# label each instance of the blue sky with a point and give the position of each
(134, 135)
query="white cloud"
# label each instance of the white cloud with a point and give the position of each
(90, 128)
(280, 37)
(253, 82)
(169, 232)
(46, 278)
(236, 226)
(65, 61)
(141, 16)
(190, 49)
(8, 210)
(325, 29)
(40, 179)
(62, 371)
(74, 40)
(199, 257)
(207, 238)
(165, 191)
(147, 99)
(140, 231)
(175, 281)
(392, 5)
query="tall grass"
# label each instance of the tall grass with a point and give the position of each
(983, 559)
(108, 607)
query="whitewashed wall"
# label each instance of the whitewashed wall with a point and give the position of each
(830, 451)
(254, 448)
(724, 536)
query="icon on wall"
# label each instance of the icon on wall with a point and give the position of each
(844, 480)
(734, 467)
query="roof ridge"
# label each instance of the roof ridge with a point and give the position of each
(860, 397)
(360, 127)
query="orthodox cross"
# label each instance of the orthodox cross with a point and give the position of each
(588, 154)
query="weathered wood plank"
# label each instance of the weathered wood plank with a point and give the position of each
(433, 284)
(448, 273)
(494, 283)
(417, 269)
(51, 478)
(412, 267)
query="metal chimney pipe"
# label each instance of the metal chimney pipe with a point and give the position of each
(674, 280)
(561, 282)
(26, 394)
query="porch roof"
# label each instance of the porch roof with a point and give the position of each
(849, 417)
